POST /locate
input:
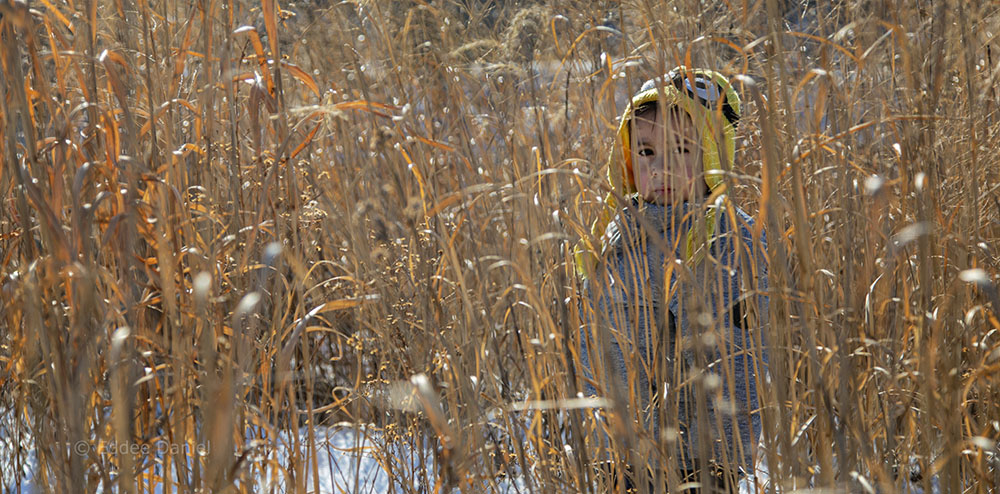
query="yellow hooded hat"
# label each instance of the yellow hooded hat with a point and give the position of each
(713, 105)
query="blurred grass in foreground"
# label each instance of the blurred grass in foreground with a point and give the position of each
(227, 216)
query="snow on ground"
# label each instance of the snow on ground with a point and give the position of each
(346, 459)
(14, 471)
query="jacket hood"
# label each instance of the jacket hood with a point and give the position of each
(713, 105)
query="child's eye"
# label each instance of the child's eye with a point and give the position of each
(646, 152)
(683, 149)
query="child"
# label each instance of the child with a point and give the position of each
(679, 285)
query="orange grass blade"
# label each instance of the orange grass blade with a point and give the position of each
(302, 76)
(58, 15)
(92, 18)
(420, 178)
(305, 142)
(341, 304)
(258, 49)
(440, 145)
(364, 105)
(271, 25)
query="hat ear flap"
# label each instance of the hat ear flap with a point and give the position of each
(732, 115)
(711, 156)
(730, 99)
(719, 156)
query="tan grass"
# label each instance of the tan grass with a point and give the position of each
(210, 228)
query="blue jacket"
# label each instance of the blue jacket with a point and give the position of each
(718, 297)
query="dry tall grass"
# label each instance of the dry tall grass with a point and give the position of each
(226, 216)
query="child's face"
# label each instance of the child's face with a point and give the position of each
(666, 157)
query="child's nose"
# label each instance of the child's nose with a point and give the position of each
(660, 164)
(657, 170)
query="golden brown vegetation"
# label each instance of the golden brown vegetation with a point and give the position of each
(225, 219)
